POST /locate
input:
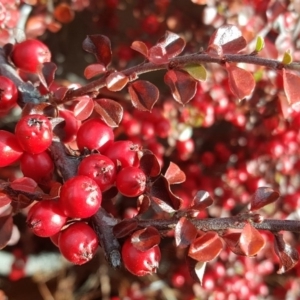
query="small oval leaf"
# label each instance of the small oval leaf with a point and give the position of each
(83, 108)
(263, 196)
(201, 201)
(174, 174)
(291, 85)
(146, 238)
(149, 164)
(140, 47)
(93, 70)
(116, 81)
(185, 233)
(125, 228)
(260, 43)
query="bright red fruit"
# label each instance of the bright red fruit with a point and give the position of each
(29, 55)
(37, 166)
(80, 197)
(78, 243)
(45, 218)
(140, 263)
(131, 181)
(94, 134)
(10, 150)
(100, 168)
(34, 133)
(8, 94)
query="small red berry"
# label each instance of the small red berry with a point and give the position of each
(78, 243)
(80, 197)
(30, 54)
(34, 133)
(131, 181)
(138, 262)
(8, 94)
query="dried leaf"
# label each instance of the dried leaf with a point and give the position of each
(291, 85)
(116, 81)
(251, 240)
(288, 255)
(125, 228)
(201, 201)
(83, 108)
(93, 70)
(149, 164)
(206, 247)
(174, 174)
(241, 82)
(146, 238)
(140, 47)
(185, 233)
(197, 71)
(183, 86)
(110, 111)
(263, 196)
(99, 45)
(143, 94)
(6, 227)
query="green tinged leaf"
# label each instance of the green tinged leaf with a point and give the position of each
(260, 44)
(287, 57)
(197, 71)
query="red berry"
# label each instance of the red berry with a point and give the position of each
(30, 54)
(8, 94)
(34, 133)
(140, 263)
(100, 168)
(78, 243)
(37, 166)
(10, 150)
(45, 218)
(80, 197)
(94, 134)
(131, 181)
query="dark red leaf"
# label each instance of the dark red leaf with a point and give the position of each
(251, 241)
(83, 108)
(4, 199)
(201, 201)
(291, 85)
(174, 175)
(42, 108)
(232, 240)
(206, 247)
(183, 86)
(146, 238)
(116, 81)
(229, 37)
(241, 82)
(173, 43)
(143, 204)
(158, 55)
(143, 94)
(140, 47)
(262, 197)
(149, 164)
(94, 70)
(24, 184)
(6, 227)
(47, 73)
(99, 45)
(289, 256)
(61, 92)
(125, 228)
(110, 111)
(185, 233)
(162, 195)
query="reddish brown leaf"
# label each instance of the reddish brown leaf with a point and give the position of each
(116, 81)
(291, 85)
(110, 111)
(140, 47)
(251, 240)
(185, 233)
(288, 255)
(4, 199)
(94, 70)
(6, 227)
(143, 94)
(201, 201)
(262, 197)
(241, 82)
(63, 13)
(42, 108)
(99, 45)
(83, 108)
(146, 238)
(206, 247)
(183, 86)
(143, 204)
(60, 93)
(125, 228)
(24, 184)
(158, 55)
(229, 37)
(149, 164)
(174, 175)
(232, 240)
(47, 73)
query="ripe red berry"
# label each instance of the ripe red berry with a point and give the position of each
(94, 134)
(8, 94)
(45, 218)
(78, 243)
(131, 181)
(34, 133)
(100, 168)
(10, 150)
(29, 55)
(138, 262)
(80, 197)
(37, 166)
